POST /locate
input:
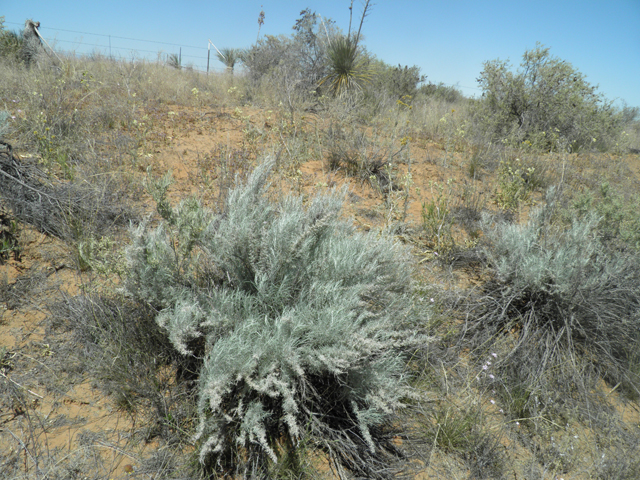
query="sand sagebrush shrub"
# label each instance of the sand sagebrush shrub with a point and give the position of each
(567, 297)
(299, 323)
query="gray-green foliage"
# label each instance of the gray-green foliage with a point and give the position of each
(547, 103)
(300, 59)
(298, 319)
(563, 291)
(441, 91)
(4, 123)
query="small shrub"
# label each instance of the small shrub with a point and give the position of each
(352, 151)
(437, 219)
(9, 233)
(569, 301)
(440, 91)
(394, 82)
(297, 321)
(515, 185)
(11, 43)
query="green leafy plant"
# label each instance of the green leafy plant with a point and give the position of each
(545, 103)
(437, 218)
(514, 184)
(9, 244)
(297, 320)
(11, 42)
(619, 218)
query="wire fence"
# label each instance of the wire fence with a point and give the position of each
(119, 48)
(113, 46)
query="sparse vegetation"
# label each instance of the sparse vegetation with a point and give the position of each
(392, 292)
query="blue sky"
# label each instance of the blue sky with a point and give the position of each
(448, 39)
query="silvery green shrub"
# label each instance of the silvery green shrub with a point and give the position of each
(299, 321)
(564, 289)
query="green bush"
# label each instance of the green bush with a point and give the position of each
(547, 104)
(440, 91)
(10, 42)
(298, 321)
(619, 218)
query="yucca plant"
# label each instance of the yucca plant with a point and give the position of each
(299, 323)
(229, 56)
(347, 67)
(348, 70)
(174, 61)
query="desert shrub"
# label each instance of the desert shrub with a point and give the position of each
(68, 210)
(9, 234)
(570, 304)
(299, 61)
(440, 91)
(352, 151)
(298, 323)
(514, 183)
(547, 103)
(387, 86)
(10, 42)
(619, 218)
